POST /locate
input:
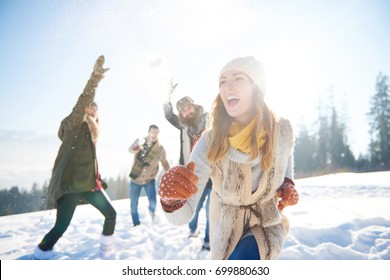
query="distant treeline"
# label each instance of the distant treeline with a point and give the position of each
(324, 148)
(320, 149)
(16, 201)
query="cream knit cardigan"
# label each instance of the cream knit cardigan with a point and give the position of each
(243, 196)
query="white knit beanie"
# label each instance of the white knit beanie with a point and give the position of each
(249, 66)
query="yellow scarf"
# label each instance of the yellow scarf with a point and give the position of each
(240, 136)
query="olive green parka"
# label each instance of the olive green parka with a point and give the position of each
(75, 168)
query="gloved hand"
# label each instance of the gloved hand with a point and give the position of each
(171, 90)
(98, 70)
(177, 185)
(287, 193)
(135, 147)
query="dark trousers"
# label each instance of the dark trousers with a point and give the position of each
(65, 209)
(246, 249)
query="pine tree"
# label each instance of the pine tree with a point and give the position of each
(322, 148)
(341, 156)
(336, 145)
(379, 116)
(304, 153)
(327, 150)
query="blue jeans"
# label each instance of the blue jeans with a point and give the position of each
(135, 191)
(246, 249)
(194, 222)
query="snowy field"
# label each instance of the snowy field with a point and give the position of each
(342, 216)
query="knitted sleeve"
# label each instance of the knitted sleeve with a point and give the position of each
(289, 132)
(203, 171)
(290, 168)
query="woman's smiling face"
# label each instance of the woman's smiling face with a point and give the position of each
(236, 92)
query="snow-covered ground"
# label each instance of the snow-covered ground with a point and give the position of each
(339, 216)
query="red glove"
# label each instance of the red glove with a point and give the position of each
(287, 193)
(177, 185)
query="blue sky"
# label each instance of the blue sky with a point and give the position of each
(48, 48)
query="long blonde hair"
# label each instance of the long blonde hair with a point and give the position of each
(220, 124)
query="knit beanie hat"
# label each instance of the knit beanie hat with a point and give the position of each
(249, 66)
(183, 102)
(93, 103)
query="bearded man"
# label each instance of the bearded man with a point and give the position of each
(191, 121)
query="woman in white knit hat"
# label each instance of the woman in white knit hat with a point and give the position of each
(248, 154)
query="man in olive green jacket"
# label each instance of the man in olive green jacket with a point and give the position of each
(75, 174)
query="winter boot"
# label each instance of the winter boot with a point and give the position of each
(107, 245)
(206, 246)
(39, 254)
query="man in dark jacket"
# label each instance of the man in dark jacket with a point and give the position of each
(75, 174)
(191, 121)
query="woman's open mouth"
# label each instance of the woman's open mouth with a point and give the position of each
(232, 100)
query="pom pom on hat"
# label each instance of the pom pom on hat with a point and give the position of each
(249, 66)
